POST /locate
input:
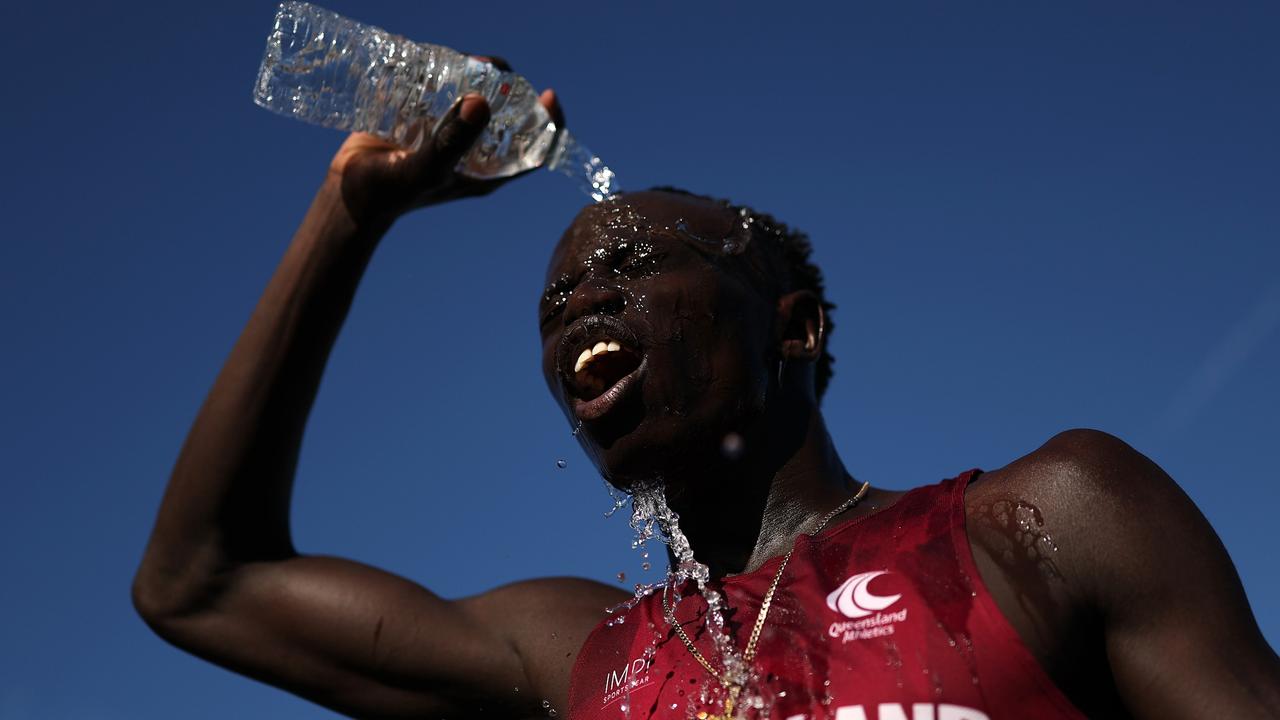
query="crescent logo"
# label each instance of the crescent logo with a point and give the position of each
(852, 599)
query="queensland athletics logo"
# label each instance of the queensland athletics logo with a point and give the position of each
(854, 599)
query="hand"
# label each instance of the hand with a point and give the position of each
(380, 181)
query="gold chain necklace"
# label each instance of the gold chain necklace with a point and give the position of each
(732, 688)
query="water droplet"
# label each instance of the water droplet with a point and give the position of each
(546, 703)
(645, 566)
(552, 712)
(619, 501)
(561, 464)
(732, 446)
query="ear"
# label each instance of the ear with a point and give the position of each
(802, 324)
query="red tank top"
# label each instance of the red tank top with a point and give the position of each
(882, 617)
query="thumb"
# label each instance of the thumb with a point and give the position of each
(462, 125)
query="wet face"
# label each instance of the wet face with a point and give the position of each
(656, 343)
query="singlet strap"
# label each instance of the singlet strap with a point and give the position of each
(1012, 651)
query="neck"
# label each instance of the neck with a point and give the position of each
(752, 509)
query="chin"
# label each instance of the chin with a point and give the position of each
(670, 448)
(669, 422)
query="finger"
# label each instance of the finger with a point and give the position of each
(464, 122)
(551, 102)
(359, 141)
(495, 61)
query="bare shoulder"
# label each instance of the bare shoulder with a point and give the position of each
(1075, 468)
(1107, 509)
(1065, 535)
(1087, 546)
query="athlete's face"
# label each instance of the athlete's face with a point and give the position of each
(655, 342)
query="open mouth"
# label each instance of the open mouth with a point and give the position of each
(600, 362)
(600, 367)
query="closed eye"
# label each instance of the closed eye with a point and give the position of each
(639, 262)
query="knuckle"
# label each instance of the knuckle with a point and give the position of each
(448, 138)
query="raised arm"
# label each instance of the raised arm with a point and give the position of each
(220, 576)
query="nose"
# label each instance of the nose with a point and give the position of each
(593, 297)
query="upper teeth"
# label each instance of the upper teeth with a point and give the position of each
(600, 348)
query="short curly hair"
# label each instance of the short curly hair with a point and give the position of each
(790, 254)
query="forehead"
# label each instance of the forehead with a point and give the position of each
(636, 215)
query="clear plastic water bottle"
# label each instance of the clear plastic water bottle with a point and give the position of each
(330, 70)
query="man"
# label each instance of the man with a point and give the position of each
(688, 340)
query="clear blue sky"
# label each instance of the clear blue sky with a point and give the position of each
(1033, 216)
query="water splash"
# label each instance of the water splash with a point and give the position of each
(619, 501)
(576, 161)
(734, 243)
(1022, 527)
(652, 517)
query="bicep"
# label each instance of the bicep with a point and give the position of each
(355, 639)
(1180, 636)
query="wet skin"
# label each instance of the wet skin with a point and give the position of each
(710, 338)
(720, 347)
(711, 341)
(1117, 624)
(704, 333)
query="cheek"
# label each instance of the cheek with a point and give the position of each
(547, 359)
(743, 356)
(715, 346)
(742, 371)
(550, 373)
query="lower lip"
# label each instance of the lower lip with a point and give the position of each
(598, 407)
